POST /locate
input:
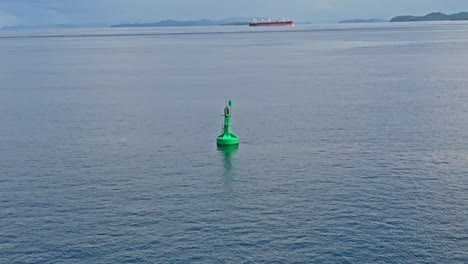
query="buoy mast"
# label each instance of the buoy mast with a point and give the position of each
(227, 138)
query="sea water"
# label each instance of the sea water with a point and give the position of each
(354, 144)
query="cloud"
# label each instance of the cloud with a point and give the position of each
(7, 19)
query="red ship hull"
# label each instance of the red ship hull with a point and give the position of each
(272, 24)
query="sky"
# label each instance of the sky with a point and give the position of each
(106, 12)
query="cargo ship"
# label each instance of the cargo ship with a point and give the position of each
(268, 23)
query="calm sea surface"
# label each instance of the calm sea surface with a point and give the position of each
(354, 145)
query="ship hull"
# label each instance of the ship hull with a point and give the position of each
(272, 24)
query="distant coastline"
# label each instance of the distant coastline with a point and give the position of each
(241, 21)
(170, 23)
(187, 23)
(436, 16)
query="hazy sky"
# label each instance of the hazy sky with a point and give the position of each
(30, 12)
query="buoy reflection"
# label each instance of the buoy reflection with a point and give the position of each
(228, 153)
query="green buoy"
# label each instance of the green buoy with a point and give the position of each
(227, 138)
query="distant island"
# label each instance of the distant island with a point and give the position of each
(371, 20)
(235, 24)
(436, 16)
(170, 23)
(202, 22)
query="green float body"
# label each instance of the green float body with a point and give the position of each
(227, 138)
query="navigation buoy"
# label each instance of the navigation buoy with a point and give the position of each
(227, 138)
